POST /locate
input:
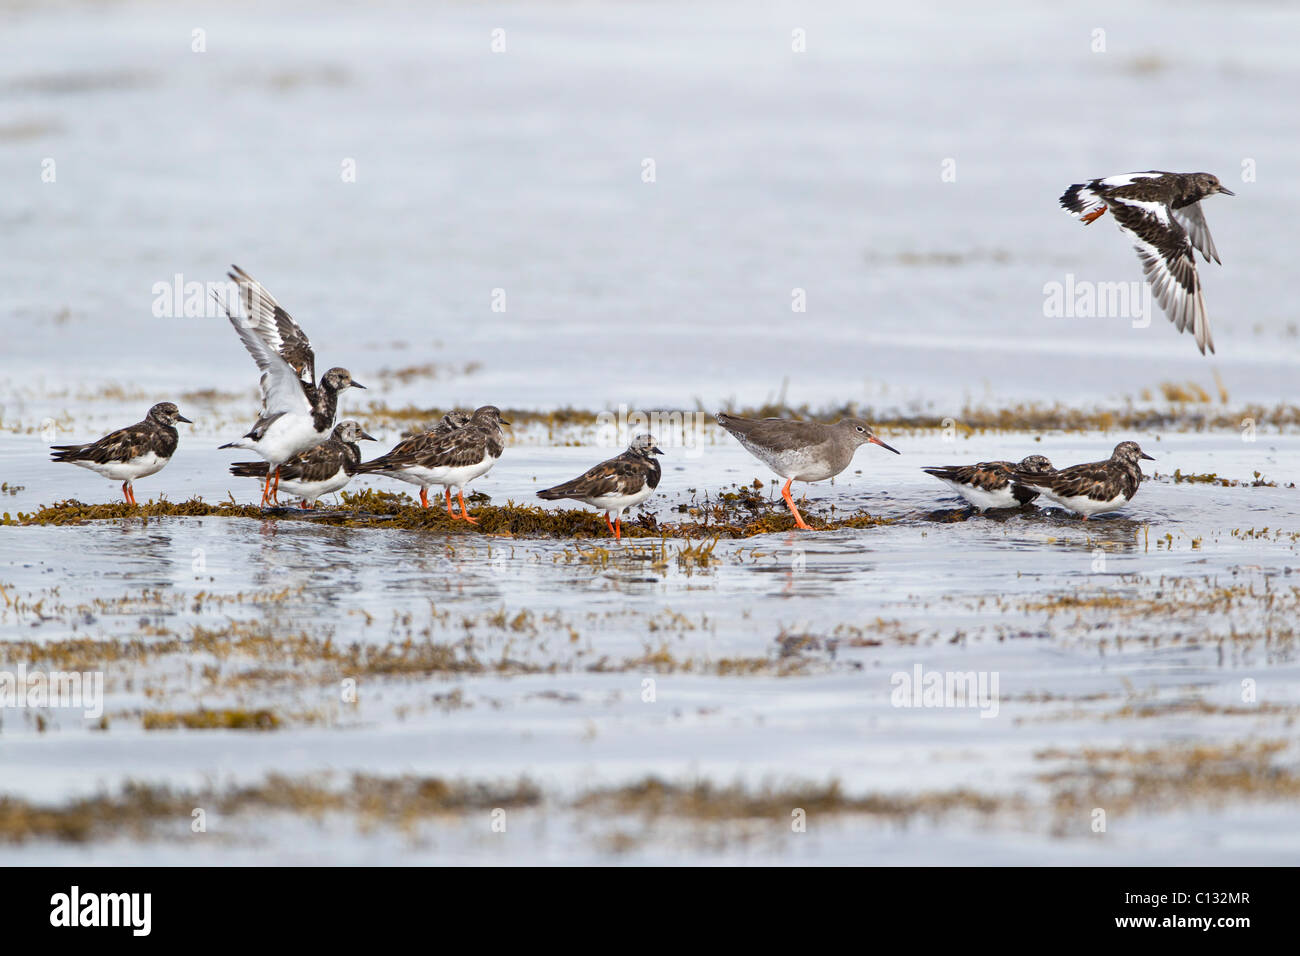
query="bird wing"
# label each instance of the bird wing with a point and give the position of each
(405, 452)
(986, 476)
(1165, 251)
(124, 444)
(621, 475)
(282, 389)
(1087, 479)
(314, 464)
(1192, 218)
(465, 446)
(274, 325)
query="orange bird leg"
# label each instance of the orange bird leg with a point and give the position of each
(275, 489)
(1094, 215)
(450, 511)
(424, 497)
(126, 493)
(609, 523)
(798, 518)
(463, 513)
(618, 527)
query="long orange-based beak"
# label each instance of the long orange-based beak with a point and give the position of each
(876, 441)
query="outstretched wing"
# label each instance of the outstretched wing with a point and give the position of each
(282, 390)
(1165, 251)
(274, 325)
(1192, 218)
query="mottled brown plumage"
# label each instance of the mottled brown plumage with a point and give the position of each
(990, 484)
(129, 453)
(452, 459)
(1094, 487)
(616, 484)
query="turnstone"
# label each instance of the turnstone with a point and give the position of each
(1093, 488)
(452, 460)
(129, 453)
(1161, 213)
(297, 414)
(317, 471)
(615, 485)
(801, 451)
(989, 484)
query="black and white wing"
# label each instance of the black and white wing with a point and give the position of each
(275, 326)
(1165, 250)
(283, 391)
(1192, 218)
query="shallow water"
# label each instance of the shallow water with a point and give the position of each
(774, 661)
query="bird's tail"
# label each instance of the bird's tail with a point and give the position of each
(1079, 198)
(65, 452)
(249, 469)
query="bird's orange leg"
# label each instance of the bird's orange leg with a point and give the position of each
(618, 528)
(424, 497)
(275, 489)
(609, 524)
(126, 492)
(451, 511)
(266, 488)
(463, 513)
(1093, 216)
(798, 518)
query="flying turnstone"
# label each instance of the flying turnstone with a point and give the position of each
(1161, 213)
(801, 451)
(615, 485)
(129, 453)
(989, 484)
(297, 414)
(317, 471)
(452, 460)
(1093, 488)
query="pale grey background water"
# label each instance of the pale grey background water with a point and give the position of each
(521, 171)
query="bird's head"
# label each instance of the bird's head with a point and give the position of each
(337, 379)
(166, 413)
(861, 433)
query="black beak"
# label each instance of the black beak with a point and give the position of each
(502, 421)
(1226, 191)
(182, 418)
(876, 441)
(369, 437)
(1147, 457)
(656, 449)
(357, 385)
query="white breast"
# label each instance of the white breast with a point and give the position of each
(139, 467)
